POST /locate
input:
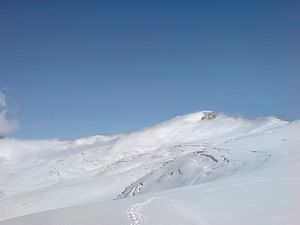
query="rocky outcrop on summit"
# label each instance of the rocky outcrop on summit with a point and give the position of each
(209, 115)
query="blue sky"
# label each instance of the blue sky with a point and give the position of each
(76, 68)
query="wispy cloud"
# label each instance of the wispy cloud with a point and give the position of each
(7, 125)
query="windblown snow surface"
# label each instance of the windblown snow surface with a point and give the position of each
(204, 168)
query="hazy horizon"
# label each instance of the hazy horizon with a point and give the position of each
(71, 69)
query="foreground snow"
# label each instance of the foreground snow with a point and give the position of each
(202, 168)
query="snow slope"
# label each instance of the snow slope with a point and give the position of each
(201, 168)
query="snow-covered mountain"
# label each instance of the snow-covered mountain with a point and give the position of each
(200, 168)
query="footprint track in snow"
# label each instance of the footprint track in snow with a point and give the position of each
(135, 212)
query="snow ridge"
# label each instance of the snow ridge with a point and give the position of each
(195, 152)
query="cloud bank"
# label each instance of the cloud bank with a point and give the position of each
(7, 125)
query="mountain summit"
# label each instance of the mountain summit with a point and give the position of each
(191, 163)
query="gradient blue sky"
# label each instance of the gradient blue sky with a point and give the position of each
(76, 68)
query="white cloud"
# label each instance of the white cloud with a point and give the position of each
(7, 125)
(2, 101)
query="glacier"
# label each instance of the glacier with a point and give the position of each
(204, 168)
